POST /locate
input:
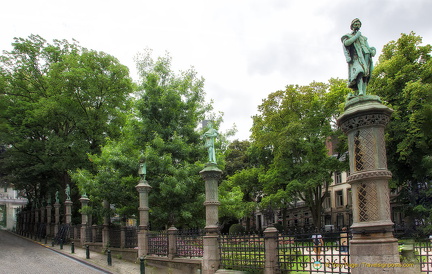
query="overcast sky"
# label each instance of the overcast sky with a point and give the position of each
(244, 49)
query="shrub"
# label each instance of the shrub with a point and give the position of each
(236, 229)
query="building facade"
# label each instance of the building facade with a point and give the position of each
(10, 203)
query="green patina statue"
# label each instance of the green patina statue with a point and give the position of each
(67, 192)
(57, 197)
(142, 171)
(210, 137)
(358, 55)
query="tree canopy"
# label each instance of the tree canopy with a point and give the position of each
(295, 125)
(163, 129)
(59, 101)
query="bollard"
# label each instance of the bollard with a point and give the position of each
(142, 266)
(109, 259)
(46, 240)
(61, 243)
(72, 247)
(87, 252)
(52, 243)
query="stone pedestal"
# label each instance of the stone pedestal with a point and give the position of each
(364, 121)
(36, 223)
(48, 220)
(143, 189)
(105, 230)
(211, 258)
(56, 217)
(42, 215)
(271, 250)
(68, 211)
(84, 219)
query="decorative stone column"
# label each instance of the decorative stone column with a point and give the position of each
(42, 214)
(84, 218)
(56, 217)
(172, 248)
(36, 223)
(68, 211)
(105, 230)
(271, 251)
(48, 219)
(42, 220)
(211, 175)
(143, 189)
(364, 121)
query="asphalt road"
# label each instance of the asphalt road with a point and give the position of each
(21, 256)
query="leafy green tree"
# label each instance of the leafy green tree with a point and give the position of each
(237, 157)
(403, 79)
(163, 129)
(59, 101)
(241, 188)
(295, 125)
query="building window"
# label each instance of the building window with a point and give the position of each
(338, 177)
(339, 198)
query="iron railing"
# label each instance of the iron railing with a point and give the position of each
(158, 243)
(300, 252)
(189, 243)
(423, 253)
(242, 251)
(131, 237)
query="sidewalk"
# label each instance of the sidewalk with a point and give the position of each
(96, 259)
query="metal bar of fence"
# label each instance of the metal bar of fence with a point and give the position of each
(242, 251)
(189, 243)
(423, 252)
(158, 243)
(131, 237)
(300, 253)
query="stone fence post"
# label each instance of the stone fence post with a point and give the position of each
(172, 238)
(36, 223)
(122, 236)
(271, 251)
(84, 218)
(105, 230)
(211, 257)
(48, 219)
(56, 217)
(68, 211)
(143, 189)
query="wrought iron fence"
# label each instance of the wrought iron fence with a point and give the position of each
(41, 231)
(242, 251)
(189, 243)
(62, 235)
(423, 252)
(158, 243)
(88, 234)
(307, 253)
(97, 234)
(114, 236)
(131, 237)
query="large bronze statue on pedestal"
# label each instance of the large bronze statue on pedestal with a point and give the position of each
(364, 121)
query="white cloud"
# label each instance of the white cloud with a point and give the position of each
(245, 49)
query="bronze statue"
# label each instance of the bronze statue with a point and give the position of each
(210, 137)
(358, 55)
(67, 192)
(142, 171)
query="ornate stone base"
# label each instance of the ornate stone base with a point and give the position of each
(210, 262)
(378, 255)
